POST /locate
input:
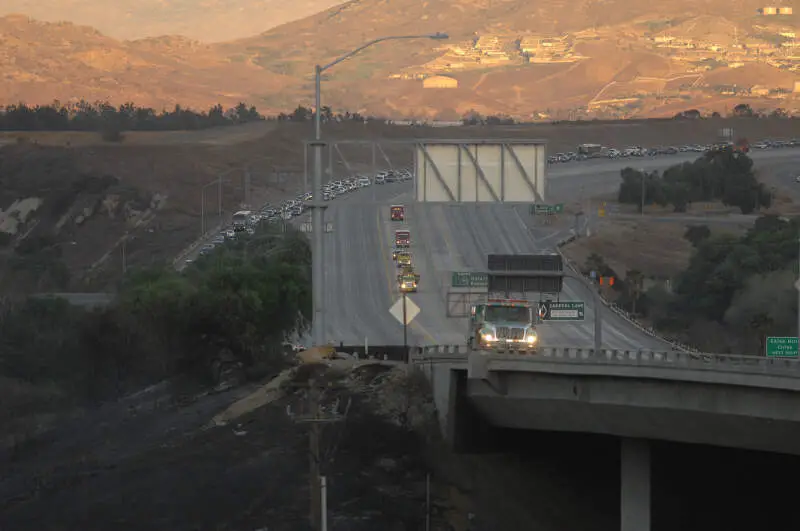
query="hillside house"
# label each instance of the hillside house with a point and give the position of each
(465, 49)
(492, 60)
(677, 44)
(759, 90)
(753, 44)
(555, 44)
(488, 43)
(529, 44)
(439, 82)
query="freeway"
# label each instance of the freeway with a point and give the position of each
(596, 177)
(359, 272)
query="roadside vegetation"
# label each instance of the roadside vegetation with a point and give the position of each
(111, 121)
(227, 313)
(735, 292)
(84, 116)
(720, 175)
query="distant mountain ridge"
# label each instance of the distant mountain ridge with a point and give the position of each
(531, 59)
(207, 21)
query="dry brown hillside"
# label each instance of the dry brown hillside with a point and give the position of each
(209, 21)
(42, 62)
(611, 59)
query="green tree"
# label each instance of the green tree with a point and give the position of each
(720, 174)
(696, 234)
(112, 121)
(743, 110)
(767, 305)
(301, 114)
(734, 280)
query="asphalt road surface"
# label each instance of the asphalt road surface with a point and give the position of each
(360, 274)
(578, 181)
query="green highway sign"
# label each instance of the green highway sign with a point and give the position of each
(465, 279)
(562, 311)
(781, 347)
(546, 209)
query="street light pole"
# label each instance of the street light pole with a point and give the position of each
(317, 98)
(317, 221)
(219, 199)
(405, 331)
(641, 172)
(218, 182)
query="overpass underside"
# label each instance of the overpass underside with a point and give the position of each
(637, 403)
(695, 413)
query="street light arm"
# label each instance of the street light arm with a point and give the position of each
(376, 41)
(318, 276)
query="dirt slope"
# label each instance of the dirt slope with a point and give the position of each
(217, 20)
(610, 42)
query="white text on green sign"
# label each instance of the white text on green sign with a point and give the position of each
(546, 209)
(782, 347)
(566, 311)
(465, 279)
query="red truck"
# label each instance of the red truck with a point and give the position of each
(742, 146)
(398, 213)
(402, 238)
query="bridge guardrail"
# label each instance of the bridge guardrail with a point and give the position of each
(670, 358)
(619, 311)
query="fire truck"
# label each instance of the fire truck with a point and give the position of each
(404, 259)
(503, 325)
(397, 213)
(742, 146)
(408, 279)
(402, 238)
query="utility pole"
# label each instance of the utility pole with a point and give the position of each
(317, 416)
(219, 198)
(247, 187)
(405, 330)
(428, 502)
(641, 172)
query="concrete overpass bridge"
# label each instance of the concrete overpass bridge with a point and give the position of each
(636, 395)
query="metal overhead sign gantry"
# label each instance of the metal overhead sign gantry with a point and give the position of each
(480, 171)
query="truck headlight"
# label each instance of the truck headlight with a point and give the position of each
(532, 339)
(487, 337)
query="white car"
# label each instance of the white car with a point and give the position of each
(364, 181)
(797, 179)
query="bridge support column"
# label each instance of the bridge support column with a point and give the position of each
(635, 485)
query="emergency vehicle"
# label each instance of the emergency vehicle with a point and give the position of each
(402, 238)
(397, 213)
